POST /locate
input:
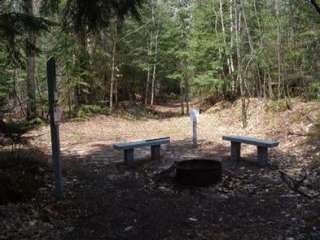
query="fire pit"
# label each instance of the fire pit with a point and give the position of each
(198, 172)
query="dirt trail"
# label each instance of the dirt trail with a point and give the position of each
(94, 137)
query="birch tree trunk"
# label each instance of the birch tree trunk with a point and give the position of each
(246, 26)
(154, 68)
(116, 84)
(112, 77)
(231, 11)
(150, 53)
(187, 97)
(148, 72)
(182, 94)
(239, 70)
(278, 49)
(224, 34)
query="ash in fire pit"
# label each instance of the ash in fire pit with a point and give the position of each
(198, 172)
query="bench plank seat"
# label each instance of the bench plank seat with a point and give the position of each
(141, 143)
(128, 147)
(251, 141)
(262, 147)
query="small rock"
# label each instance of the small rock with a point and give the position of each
(193, 219)
(128, 228)
(32, 223)
(164, 189)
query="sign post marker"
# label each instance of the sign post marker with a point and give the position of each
(55, 115)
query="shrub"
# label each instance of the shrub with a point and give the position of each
(314, 90)
(85, 110)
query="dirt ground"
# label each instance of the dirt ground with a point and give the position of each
(106, 199)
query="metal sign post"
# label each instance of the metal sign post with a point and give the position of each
(55, 114)
(194, 118)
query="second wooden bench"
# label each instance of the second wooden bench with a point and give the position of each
(262, 147)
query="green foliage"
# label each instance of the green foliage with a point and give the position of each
(194, 52)
(94, 15)
(314, 90)
(21, 127)
(85, 110)
(5, 83)
(15, 27)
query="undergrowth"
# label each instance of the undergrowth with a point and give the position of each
(22, 173)
(315, 133)
(276, 106)
(85, 110)
(134, 111)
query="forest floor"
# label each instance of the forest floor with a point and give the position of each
(105, 199)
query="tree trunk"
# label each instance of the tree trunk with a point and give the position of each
(148, 71)
(278, 49)
(31, 54)
(154, 69)
(246, 26)
(216, 28)
(182, 97)
(271, 95)
(224, 36)
(116, 84)
(82, 60)
(187, 90)
(239, 76)
(112, 77)
(231, 9)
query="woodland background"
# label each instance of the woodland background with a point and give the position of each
(154, 51)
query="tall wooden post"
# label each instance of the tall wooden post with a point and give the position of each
(54, 126)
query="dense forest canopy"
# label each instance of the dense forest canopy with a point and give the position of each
(149, 51)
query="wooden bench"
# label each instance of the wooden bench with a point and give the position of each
(129, 147)
(262, 147)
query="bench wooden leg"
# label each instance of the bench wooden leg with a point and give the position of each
(128, 155)
(155, 152)
(235, 151)
(262, 156)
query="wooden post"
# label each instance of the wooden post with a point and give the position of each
(53, 106)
